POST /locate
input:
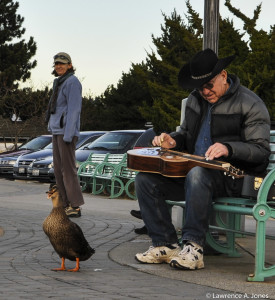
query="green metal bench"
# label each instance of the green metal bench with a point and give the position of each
(104, 173)
(86, 170)
(228, 212)
(122, 180)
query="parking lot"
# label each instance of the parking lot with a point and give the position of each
(34, 160)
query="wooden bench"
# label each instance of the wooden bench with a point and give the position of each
(227, 215)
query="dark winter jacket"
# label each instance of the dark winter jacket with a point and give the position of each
(239, 120)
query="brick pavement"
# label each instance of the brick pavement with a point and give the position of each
(26, 256)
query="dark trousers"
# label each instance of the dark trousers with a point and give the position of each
(198, 190)
(65, 171)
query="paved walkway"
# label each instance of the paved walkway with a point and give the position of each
(26, 256)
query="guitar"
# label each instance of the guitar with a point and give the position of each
(174, 164)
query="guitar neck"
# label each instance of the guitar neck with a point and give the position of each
(208, 163)
(203, 162)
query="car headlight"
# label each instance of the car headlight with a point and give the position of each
(50, 165)
(15, 164)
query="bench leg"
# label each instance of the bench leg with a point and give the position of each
(228, 246)
(117, 188)
(83, 185)
(259, 255)
(84, 182)
(233, 222)
(127, 189)
(98, 185)
(261, 214)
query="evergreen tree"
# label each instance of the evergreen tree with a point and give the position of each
(258, 67)
(23, 104)
(15, 64)
(91, 114)
(231, 42)
(22, 109)
(176, 45)
(117, 108)
(123, 102)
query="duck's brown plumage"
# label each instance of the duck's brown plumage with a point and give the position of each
(65, 236)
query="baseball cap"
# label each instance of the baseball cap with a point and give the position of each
(62, 57)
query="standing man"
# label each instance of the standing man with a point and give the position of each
(63, 118)
(223, 120)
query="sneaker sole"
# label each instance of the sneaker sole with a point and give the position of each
(176, 265)
(146, 262)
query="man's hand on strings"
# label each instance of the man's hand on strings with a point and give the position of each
(215, 151)
(164, 140)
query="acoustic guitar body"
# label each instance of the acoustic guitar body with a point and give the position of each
(173, 164)
(167, 165)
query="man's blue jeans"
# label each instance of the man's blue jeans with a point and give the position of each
(198, 189)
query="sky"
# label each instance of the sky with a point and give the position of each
(104, 37)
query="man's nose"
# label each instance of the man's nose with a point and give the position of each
(205, 90)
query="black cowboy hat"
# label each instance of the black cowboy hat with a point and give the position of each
(204, 66)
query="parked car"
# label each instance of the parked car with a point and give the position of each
(36, 165)
(39, 169)
(23, 161)
(8, 159)
(118, 141)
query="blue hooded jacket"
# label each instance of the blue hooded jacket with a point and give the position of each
(66, 119)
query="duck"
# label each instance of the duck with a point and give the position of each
(66, 237)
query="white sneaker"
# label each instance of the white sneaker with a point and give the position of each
(157, 255)
(190, 258)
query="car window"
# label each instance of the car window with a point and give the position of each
(50, 146)
(145, 140)
(81, 138)
(114, 141)
(37, 143)
(90, 139)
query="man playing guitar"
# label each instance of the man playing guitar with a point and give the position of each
(224, 121)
